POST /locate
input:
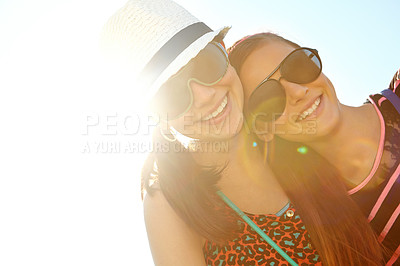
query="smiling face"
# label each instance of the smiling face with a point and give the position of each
(312, 110)
(216, 112)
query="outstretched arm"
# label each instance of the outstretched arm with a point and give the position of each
(172, 241)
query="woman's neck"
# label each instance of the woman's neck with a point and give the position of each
(353, 145)
(249, 182)
(214, 153)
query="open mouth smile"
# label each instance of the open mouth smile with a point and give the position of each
(310, 110)
(219, 109)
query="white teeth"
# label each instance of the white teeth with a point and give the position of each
(218, 111)
(310, 110)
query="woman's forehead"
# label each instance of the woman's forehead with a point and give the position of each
(262, 61)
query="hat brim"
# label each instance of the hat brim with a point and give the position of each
(182, 59)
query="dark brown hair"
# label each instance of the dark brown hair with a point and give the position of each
(337, 227)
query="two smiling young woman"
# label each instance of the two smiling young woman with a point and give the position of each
(303, 207)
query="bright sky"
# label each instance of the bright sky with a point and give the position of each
(69, 192)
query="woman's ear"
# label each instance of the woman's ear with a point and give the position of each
(266, 137)
(263, 130)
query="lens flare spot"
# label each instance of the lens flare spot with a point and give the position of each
(302, 150)
(254, 144)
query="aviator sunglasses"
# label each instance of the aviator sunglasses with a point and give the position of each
(268, 100)
(175, 97)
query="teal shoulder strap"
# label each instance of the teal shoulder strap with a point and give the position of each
(256, 228)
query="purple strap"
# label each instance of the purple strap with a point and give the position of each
(393, 98)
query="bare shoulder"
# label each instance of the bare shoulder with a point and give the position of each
(172, 241)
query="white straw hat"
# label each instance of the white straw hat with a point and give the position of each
(156, 38)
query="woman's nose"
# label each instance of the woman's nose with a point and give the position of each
(202, 95)
(294, 92)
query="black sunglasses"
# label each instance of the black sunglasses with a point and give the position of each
(175, 97)
(267, 102)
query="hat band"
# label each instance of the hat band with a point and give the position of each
(170, 50)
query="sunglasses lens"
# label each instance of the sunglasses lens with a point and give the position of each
(175, 97)
(173, 101)
(267, 102)
(302, 66)
(209, 65)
